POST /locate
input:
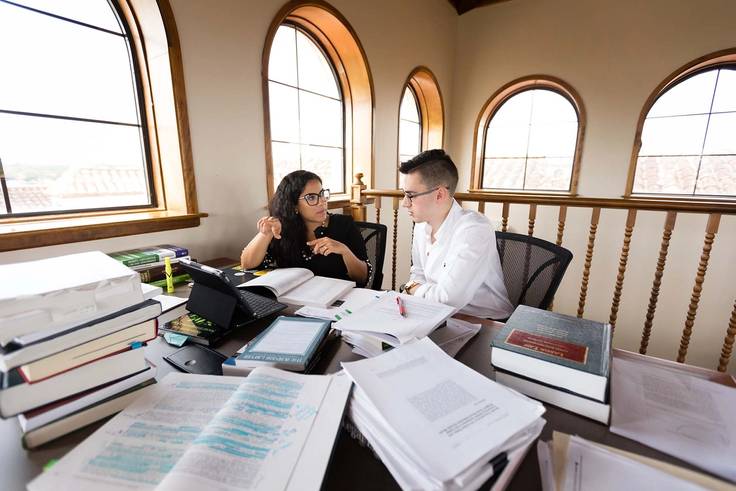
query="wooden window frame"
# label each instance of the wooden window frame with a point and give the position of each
(431, 108)
(709, 61)
(155, 40)
(336, 36)
(490, 108)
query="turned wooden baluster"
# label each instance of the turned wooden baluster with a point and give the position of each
(669, 226)
(532, 219)
(377, 203)
(393, 245)
(711, 229)
(560, 230)
(561, 224)
(623, 260)
(728, 342)
(505, 217)
(482, 207)
(594, 218)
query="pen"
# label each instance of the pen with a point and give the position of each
(400, 304)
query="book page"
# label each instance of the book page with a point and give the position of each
(292, 337)
(444, 415)
(280, 280)
(254, 442)
(350, 303)
(318, 291)
(134, 450)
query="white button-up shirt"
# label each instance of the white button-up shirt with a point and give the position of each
(462, 267)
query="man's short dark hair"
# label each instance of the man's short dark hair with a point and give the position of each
(435, 167)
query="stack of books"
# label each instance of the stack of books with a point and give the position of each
(556, 358)
(149, 262)
(71, 329)
(437, 424)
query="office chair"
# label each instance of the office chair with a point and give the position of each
(532, 268)
(374, 236)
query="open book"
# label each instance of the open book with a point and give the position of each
(299, 286)
(272, 430)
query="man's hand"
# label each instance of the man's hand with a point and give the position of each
(270, 227)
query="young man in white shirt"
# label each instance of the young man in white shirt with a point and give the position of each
(454, 255)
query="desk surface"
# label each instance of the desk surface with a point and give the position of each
(352, 466)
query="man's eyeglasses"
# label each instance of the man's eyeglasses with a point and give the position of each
(410, 196)
(313, 198)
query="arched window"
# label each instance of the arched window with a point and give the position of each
(79, 139)
(318, 98)
(306, 109)
(72, 136)
(529, 137)
(410, 126)
(421, 114)
(686, 145)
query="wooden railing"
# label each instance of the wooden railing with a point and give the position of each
(362, 199)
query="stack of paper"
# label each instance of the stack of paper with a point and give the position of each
(572, 463)
(437, 424)
(380, 324)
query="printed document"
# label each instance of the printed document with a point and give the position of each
(384, 321)
(676, 409)
(194, 432)
(437, 412)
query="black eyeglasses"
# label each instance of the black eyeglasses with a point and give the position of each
(410, 196)
(313, 198)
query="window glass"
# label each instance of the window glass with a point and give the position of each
(410, 126)
(306, 110)
(530, 143)
(71, 134)
(687, 141)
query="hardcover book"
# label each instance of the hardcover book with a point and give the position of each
(556, 349)
(289, 343)
(197, 328)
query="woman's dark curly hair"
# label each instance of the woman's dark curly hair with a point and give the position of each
(287, 252)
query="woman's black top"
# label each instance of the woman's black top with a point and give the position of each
(340, 228)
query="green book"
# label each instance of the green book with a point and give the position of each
(197, 329)
(289, 343)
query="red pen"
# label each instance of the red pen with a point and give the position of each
(402, 310)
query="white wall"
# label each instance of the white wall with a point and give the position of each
(614, 54)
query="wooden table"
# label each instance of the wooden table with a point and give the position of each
(353, 466)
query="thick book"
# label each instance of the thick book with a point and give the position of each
(148, 255)
(28, 349)
(17, 396)
(158, 273)
(60, 292)
(299, 286)
(598, 411)
(273, 430)
(197, 329)
(143, 267)
(171, 308)
(41, 416)
(84, 417)
(289, 343)
(556, 349)
(88, 352)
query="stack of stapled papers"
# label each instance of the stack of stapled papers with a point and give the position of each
(437, 424)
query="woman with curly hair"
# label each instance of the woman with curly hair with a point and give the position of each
(300, 233)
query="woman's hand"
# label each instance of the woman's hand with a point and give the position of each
(327, 246)
(270, 227)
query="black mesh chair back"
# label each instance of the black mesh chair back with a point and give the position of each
(532, 268)
(374, 236)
